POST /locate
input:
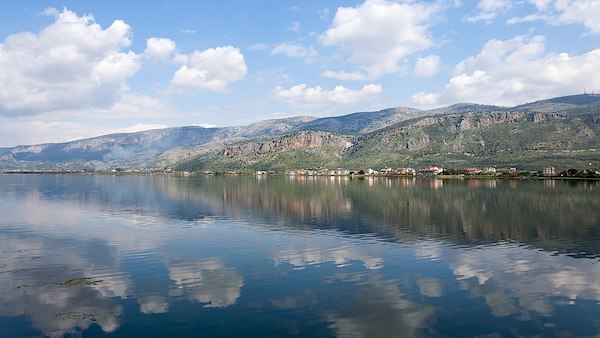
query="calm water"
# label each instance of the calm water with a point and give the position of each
(141, 256)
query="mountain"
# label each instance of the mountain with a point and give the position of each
(572, 104)
(365, 122)
(304, 149)
(500, 138)
(138, 150)
(362, 122)
(564, 131)
(158, 149)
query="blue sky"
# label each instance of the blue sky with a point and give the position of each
(75, 69)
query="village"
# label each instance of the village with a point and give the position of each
(432, 170)
(547, 171)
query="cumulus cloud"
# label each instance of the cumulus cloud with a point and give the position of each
(314, 96)
(514, 71)
(295, 51)
(423, 99)
(159, 48)
(212, 69)
(427, 66)
(378, 33)
(71, 63)
(487, 10)
(564, 12)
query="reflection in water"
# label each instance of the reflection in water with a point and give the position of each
(381, 311)
(150, 304)
(30, 287)
(512, 273)
(430, 287)
(314, 255)
(208, 282)
(303, 256)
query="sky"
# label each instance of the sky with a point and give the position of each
(83, 68)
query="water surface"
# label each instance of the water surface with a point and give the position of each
(158, 256)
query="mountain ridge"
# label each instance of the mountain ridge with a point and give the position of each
(399, 134)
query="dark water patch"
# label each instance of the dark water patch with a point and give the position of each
(81, 281)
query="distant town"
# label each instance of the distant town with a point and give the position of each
(486, 172)
(547, 171)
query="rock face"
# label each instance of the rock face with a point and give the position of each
(302, 140)
(306, 149)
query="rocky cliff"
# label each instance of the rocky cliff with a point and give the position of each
(300, 140)
(311, 149)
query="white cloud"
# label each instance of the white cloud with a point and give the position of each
(139, 127)
(134, 105)
(314, 96)
(77, 123)
(487, 10)
(294, 26)
(515, 71)
(423, 99)
(37, 131)
(541, 5)
(159, 48)
(427, 66)
(296, 51)
(71, 63)
(564, 12)
(346, 76)
(257, 47)
(323, 14)
(379, 33)
(205, 125)
(213, 69)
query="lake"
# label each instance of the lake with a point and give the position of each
(223, 256)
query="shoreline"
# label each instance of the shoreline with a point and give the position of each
(279, 174)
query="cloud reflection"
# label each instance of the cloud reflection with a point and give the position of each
(33, 280)
(318, 255)
(150, 304)
(517, 280)
(207, 281)
(381, 310)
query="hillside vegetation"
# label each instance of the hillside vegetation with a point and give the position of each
(563, 131)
